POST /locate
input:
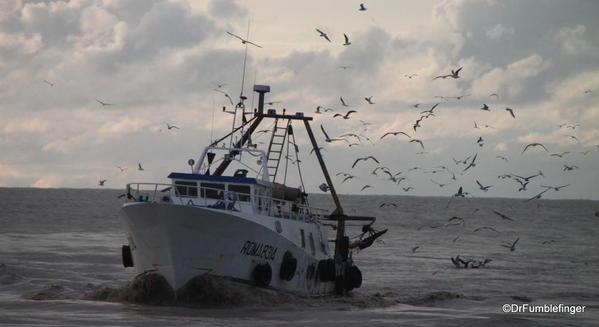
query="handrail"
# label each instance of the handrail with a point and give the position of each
(198, 196)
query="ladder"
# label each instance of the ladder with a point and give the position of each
(275, 148)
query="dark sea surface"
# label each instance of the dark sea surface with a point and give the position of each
(60, 265)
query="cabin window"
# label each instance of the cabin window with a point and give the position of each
(312, 247)
(186, 189)
(212, 190)
(303, 238)
(243, 191)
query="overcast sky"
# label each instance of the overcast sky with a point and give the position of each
(159, 62)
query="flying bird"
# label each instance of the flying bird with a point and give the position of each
(346, 116)
(122, 169)
(454, 74)
(101, 182)
(511, 111)
(559, 154)
(472, 163)
(486, 227)
(502, 215)
(566, 167)
(418, 141)
(502, 158)
(369, 100)
(346, 39)
(226, 96)
(430, 111)
(407, 189)
(243, 41)
(387, 204)
(484, 188)
(343, 102)
(556, 188)
(534, 144)
(327, 138)
(171, 126)
(105, 103)
(410, 76)
(49, 83)
(323, 34)
(362, 8)
(485, 107)
(574, 138)
(365, 187)
(365, 158)
(139, 167)
(511, 246)
(394, 134)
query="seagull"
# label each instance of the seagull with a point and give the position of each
(480, 141)
(485, 107)
(362, 8)
(365, 187)
(484, 188)
(171, 126)
(418, 141)
(365, 158)
(494, 95)
(440, 185)
(502, 215)
(407, 189)
(139, 167)
(511, 246)
(416, 105)
(327, 138)
(486, 227)
(347, 178)
(472, 164)
(534, 144)
(430, 111)
(410, 75)
(346, 39)
(559, 154)
(394, 134)
(574, 138)
(323, 34)
(101, 182)
(386, 204)
(566, 167)
(414, 249)
(346, 116)
(344, 67)
(104, 103)
(319, 149)
(122, 169)
(342, 102)
(243, 41)
(369, 99)
(49, 83)
(502, 158)
(556, 188)
(220, 85)
(454, 74)
(226, 96)
(417, 124)
(511, 111)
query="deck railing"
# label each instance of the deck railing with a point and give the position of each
(221, 199)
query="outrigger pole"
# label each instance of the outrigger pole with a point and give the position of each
(341, 243)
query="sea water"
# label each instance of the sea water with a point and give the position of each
(60, 265)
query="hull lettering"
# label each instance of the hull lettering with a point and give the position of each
(260, 250)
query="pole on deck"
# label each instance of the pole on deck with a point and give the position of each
(338, 213)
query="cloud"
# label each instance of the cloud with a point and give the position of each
(499, 31)
(572, 40)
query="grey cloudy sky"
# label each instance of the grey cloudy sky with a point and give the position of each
(159, 61)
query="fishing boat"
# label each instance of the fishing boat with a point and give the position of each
(229, 217)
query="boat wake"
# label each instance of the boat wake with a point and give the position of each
(213, 291)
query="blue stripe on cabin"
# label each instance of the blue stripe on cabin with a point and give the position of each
(212, 178)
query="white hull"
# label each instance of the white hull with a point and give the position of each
(181, 242)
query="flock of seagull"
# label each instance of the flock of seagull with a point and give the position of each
(462, 166)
